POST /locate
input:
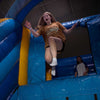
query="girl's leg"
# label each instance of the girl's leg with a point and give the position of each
(55, 44)
(51, 52)
(48, 56)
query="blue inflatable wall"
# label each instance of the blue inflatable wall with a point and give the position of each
(94, 33)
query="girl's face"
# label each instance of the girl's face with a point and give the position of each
(46, 18)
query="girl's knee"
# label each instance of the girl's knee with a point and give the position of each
(48, 59)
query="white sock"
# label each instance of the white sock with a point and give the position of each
(54, 59)
(54, 62)
(53, 71)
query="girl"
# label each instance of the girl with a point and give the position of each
(53, 34)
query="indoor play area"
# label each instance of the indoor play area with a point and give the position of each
(24, 73)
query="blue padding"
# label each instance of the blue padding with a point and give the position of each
(10, 83)
(83, 97)
(20, 17)
(82, 21)
(94, 34)
(60, 89)
(15, 8)
(7, 27)
(9, 43)
(14, 96)
(36, 61)
(7, 63)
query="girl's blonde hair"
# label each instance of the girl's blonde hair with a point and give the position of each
(41, 21)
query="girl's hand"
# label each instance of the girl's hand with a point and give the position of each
(27, 24)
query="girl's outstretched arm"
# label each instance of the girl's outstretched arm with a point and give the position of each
(28, 25)
(66, 31)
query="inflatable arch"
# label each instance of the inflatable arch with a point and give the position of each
(18, 53)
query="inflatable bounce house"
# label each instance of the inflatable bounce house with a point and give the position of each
(22, 63)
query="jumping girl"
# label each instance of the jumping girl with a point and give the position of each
(54, 37)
